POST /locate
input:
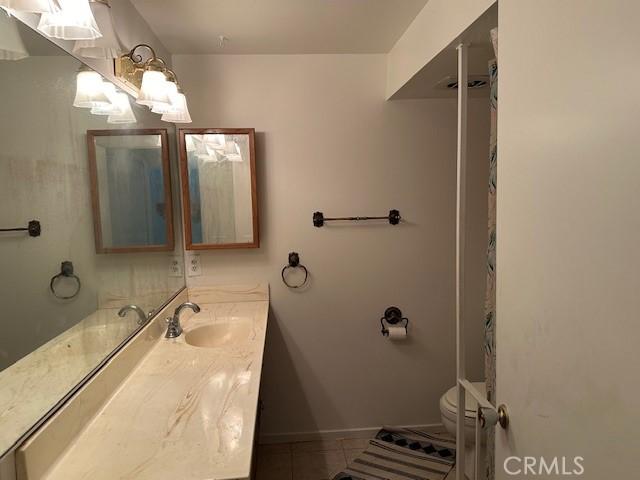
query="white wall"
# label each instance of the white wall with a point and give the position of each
(327, 140)
(568, 233)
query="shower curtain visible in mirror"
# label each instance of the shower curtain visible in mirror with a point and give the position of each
(490, 299)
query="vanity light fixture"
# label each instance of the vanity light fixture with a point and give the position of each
(153, 91)
(109, 89)
(177, 112)
(181, 115)
(102, 97)
(11, 45)
(90, 89)
(171, 90)
(31, 6)
(74, 21)
(107, 46)
(123, 112)
(157, 84)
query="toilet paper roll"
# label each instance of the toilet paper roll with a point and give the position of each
(397, 333)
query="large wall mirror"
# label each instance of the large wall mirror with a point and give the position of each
(131, 190)
(220, 205)
(65, 307)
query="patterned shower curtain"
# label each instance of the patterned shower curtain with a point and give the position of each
(490, 298)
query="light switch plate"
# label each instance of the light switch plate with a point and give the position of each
(175, 266)
(194, 268)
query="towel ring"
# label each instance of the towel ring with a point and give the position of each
(294, 262)
(66, 271)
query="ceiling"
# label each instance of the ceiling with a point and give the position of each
(279, 26)
(424, 83)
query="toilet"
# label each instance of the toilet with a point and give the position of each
(449, 412)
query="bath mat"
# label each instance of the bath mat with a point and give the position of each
(403, 454)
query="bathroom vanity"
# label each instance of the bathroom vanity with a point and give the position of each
(187, 409)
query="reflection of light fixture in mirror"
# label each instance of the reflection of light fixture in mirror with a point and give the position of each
(74, 21)
(216, 141)
(32, 6)
(201, 150)
(106, 46)
(232, 151)
(124, 113)
(118, 109)
(158, 85)
(109, 90)
(89, 89)
(11, 44)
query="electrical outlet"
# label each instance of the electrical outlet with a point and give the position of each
(193, 265)
(175, 266)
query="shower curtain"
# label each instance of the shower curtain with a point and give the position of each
(490, 298)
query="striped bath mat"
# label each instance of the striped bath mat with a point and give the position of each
(403, 454)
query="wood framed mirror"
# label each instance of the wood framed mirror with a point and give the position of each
(219, 192)
(130, 183)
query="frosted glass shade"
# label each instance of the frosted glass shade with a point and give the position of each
(153, 91)
(182, 113)
(105, 47)
(11, 44)
(109, 90)
(33, 6)
(171, 90)
(74, 21)
(123, 112)
(89, 90)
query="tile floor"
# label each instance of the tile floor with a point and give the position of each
(307, 460)
(310, 460)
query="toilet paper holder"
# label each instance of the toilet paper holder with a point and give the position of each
(392, 316)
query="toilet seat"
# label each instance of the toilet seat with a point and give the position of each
(449, 403)
(449, 412)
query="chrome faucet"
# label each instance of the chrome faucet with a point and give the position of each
(174, 329)
(143, 317)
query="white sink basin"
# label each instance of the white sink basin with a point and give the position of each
(219, 334)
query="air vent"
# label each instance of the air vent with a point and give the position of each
(473, 82)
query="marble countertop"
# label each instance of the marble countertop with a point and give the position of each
(35, 383)
(185, 412)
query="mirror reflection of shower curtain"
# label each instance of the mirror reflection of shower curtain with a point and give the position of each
(242, 193)
(134, 184)
(217, 209)
(220, 189)
(490, 298)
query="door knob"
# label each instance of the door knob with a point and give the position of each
(503, 416)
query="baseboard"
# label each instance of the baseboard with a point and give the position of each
(291, 437)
